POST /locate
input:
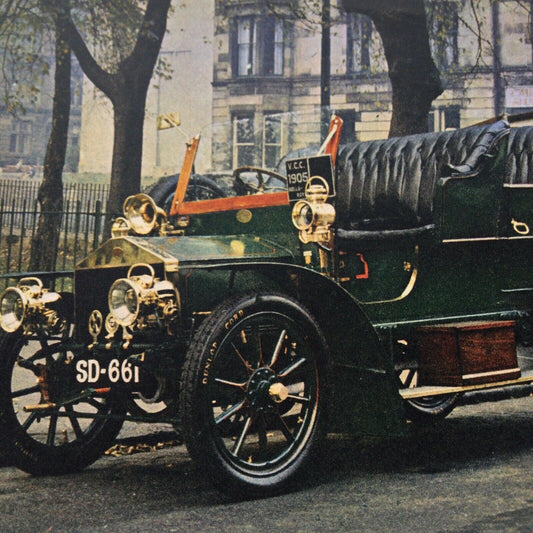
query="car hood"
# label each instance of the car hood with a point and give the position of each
(182, 251)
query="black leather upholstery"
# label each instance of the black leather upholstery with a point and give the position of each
(519, 162)
(390, 184)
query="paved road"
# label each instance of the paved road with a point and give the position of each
(471, 473)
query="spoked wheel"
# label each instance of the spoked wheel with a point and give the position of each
(252, 400)
(37, 436)
(426, 408)
(200, 188)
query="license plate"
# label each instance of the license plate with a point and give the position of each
(114, 371)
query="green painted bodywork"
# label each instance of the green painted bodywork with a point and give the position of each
(371, 292)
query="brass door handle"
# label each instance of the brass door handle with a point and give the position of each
(520, 227)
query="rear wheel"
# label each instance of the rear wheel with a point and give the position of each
(252, 400)
(426, 408)
(38, 435)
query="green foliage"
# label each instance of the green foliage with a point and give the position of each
(25, 54)
(110, 28)
(26, 42)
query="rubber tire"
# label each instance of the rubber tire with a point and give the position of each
(163, 191)
(427, 409)
(197, 419)
(38, 458)
(430, 411)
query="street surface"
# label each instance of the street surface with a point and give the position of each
(471, 473)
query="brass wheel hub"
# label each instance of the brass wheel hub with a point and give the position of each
(265, 391)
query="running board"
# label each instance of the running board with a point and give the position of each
(429, 390)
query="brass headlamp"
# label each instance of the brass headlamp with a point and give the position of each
(141, 300)
(26, 305)
(313, 216)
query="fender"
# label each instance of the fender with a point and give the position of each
(362, 384)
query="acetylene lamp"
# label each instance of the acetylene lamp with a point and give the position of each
(313, 216)
(27, 303)
(13, 305)
(132, 299)
(142, 214)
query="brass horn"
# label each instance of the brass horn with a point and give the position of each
(143, 214)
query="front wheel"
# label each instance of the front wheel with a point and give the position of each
(41, 432)
(253, 394)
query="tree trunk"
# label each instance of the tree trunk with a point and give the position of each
(127, 150)
(126, 88)
(415, 79)
(50, 196)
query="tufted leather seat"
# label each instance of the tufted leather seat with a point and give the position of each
(519, 161)
(390, 184)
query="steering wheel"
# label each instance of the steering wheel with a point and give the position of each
(255, 180)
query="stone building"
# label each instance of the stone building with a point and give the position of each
(24, 136)
(267, 73)
(254, 76)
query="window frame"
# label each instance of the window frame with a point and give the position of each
(359, 35)
(20, 139)
(265, 144)
(261, 41)
(236, 143)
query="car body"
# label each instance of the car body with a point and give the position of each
(328, 300)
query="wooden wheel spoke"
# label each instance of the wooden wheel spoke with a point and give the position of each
(74, 421)
(298, 399)
(235, 384)
(260, 348)
(277, 349)
(240, 441)
(229, 412)
(24, 392)
(411, 374)
(286, 430)
(95, 403)
(292, 367)
(29, 421)
(50, 439)
(262, 434)
(246, 364)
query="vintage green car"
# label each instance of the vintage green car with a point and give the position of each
(362, 289)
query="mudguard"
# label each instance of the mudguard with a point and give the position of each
(364, 396)
(362, 383)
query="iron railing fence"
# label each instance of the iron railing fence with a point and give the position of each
(81, 229)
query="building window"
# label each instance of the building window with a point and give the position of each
(20, 138)
(359, 45)
(444, 118)
(258, 47)
(443, 25)
(246, 47)
(258, 145)
(272, 140)
(243, 140)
